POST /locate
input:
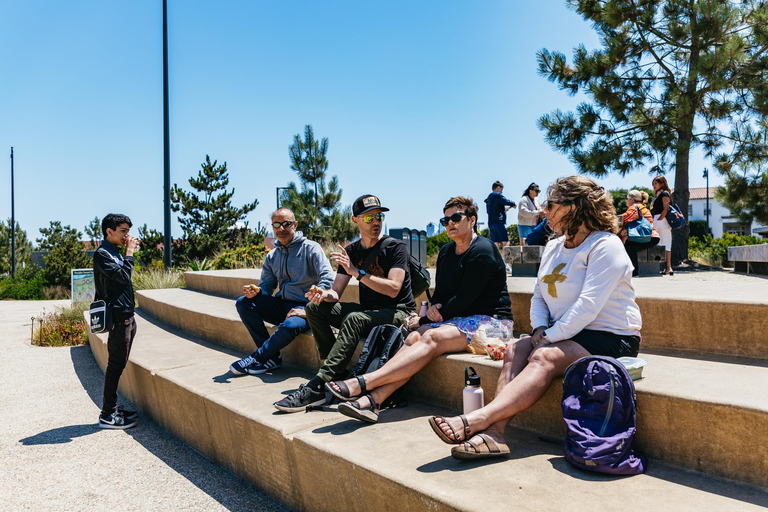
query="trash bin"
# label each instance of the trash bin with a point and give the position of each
(423, 247)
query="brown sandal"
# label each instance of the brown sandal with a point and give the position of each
(489, 449)
(433, 423)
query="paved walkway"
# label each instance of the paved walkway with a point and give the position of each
(53, 456)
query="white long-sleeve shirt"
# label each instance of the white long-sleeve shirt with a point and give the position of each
(528, 212)
(587, 287)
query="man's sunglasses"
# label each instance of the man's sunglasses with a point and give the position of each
(285, 225)
(369, 218)
(455, 218)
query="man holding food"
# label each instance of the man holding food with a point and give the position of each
(293, 267)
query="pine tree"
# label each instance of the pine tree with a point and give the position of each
(317, 205)
(23, 247)
(207, 217)
(65, 252)
(93, 231)
(669, 76)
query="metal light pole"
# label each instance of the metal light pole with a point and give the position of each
(277, 194)
(167, 239)
(13, 224)
(706, 175)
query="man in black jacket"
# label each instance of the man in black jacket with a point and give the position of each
(112, 275)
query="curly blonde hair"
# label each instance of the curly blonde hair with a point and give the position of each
(593, 205)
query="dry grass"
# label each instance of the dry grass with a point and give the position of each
(56, 292)
(157, 278)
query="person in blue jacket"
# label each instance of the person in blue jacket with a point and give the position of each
(497, 205)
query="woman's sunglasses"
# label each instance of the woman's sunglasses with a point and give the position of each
(455, 218)
(369, 218)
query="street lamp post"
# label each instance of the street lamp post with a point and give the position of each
(13, 224)
(167, 239)
(277, 194)
(706, 175)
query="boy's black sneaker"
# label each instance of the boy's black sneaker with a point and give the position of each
(115, 421)
(127, 413)
(300, 399)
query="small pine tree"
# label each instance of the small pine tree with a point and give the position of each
(208, 214)
(23, 247)
(317, 205)
(93, 231)
(65, 252)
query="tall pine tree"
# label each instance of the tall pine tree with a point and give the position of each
(317, 204)
(669, 76)
(23, 247)
(206, 216)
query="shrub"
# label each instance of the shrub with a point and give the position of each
(26, 285)
(249, 256)
(157, 278)
(714, 251)
(63, 327)
(436, 242)
(698, 228)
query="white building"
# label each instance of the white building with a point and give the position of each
(720, 218)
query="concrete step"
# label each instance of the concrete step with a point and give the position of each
(695, 413)
(322, 461)
(697, 317)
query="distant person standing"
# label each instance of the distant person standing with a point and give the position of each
(112, 275)
(659, 210)
(529, 212)
(497, 205)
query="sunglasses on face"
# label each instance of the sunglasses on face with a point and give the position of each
(285, 225)
(537, 190)
(455, 218)
(550, 203)
(369, 218)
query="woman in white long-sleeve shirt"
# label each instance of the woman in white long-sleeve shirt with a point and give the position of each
(583, 304)
(528, 214)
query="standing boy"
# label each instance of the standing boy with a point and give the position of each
(112, 276)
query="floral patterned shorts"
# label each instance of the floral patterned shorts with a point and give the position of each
(469, 325)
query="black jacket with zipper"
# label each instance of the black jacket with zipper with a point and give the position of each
(112, 276)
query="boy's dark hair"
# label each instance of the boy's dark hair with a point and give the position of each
(496, 184)
(113, 220)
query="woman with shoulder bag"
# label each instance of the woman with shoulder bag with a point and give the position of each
(636, 210)
(659, 209)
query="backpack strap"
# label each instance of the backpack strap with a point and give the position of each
(380, 245)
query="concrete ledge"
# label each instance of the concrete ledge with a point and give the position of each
(724, 402)
(757, 253)
(325, 462)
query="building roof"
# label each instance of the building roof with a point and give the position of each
(701, 192)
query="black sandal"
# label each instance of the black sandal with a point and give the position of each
(343, 393)
(352, 409)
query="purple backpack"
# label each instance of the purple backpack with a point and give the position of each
(599, 412)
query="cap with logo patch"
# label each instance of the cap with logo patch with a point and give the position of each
(365, 204)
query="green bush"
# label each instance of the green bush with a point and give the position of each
(28, 284)
(698, 228)
(714, 251)
(248, 256)
(435, 242)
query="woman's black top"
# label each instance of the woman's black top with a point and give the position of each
(471, 283)
(658, 204)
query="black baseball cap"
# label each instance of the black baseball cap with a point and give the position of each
(366, 203)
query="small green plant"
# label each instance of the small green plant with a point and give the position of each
(62, 327)
(249, 256)
(199, 265)
(157, 278)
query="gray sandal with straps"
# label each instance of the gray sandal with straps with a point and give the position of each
(368, 414)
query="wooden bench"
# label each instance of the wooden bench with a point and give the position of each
(525, 260)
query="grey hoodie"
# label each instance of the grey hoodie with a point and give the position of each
(294, 268)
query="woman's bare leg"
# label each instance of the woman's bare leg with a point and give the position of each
(519, 388)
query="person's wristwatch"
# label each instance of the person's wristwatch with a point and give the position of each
(360, 274)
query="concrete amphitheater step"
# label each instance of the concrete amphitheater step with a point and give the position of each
(695, 318)
(322, 461)
(695, 413)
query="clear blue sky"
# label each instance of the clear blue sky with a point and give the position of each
(420, 101)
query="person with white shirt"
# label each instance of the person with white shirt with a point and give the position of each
(583, 304)
(529, 212)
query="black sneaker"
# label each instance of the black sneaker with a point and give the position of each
(127, 413)
(241, 367)
(271, 364)
(115, 421)
(300, 399)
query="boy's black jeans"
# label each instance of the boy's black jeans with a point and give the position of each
(119, 347)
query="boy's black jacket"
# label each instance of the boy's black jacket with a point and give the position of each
(112, 276)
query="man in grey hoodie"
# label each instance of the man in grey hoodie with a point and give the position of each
(293, 267)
